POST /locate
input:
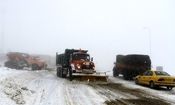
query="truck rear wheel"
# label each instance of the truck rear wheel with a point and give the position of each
(125, 75)
(58, 72)
(115, 72)
(35, 67)
(70, 75)
(62, 74)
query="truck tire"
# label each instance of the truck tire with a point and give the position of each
(11, 64)
(35, 67)
(125, 74)
(70, 75)
(115, 72)
(8, 64)
(57, 72)
(63, 75)
(126, 77)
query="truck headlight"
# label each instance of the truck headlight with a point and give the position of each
(78, 66)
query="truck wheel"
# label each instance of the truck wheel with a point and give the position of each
(62, 71)
(8, 64)
(70, 75)
(63, 75)
(115, 73)
(35, 67)
(57, 72)
(125, 75)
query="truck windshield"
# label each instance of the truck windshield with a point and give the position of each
(81, 56)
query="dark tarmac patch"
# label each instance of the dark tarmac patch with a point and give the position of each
(115, 102)
(146, 101)
(143, 97)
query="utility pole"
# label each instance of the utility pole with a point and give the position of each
(149, 39)
(150, 42)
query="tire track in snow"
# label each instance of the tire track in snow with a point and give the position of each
(82, 94)
(48, 89)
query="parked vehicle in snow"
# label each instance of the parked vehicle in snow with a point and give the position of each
(131, 65)
(17, 60)
(156, 79)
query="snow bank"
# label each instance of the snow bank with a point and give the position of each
(15, 91)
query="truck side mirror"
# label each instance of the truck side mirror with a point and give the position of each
(92, 59)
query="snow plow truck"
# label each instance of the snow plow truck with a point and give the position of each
(77, 64)
(131, 65)
(17, 60)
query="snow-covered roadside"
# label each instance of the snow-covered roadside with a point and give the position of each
(29, 88)
(10, 92)
(21, 87)
(164, 94)
(6, 73)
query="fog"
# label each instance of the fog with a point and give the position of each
(104, 27)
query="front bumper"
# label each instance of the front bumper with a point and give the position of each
(85, 71)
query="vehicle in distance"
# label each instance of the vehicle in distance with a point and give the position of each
(131, 65)
(155, 79)
(18, 60)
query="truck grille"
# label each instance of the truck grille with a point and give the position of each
(86, 67)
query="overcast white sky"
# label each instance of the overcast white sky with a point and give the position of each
(104, 27)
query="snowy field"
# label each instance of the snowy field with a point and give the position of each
(22, 87)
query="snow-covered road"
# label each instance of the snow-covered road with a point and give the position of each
(22, 87)
(43, 88)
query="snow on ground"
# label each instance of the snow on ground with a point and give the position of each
(43, 88)
(22, 87)
(162, 93)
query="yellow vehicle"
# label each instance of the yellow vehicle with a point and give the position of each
(155, 79)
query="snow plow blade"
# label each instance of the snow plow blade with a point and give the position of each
(96, 77)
